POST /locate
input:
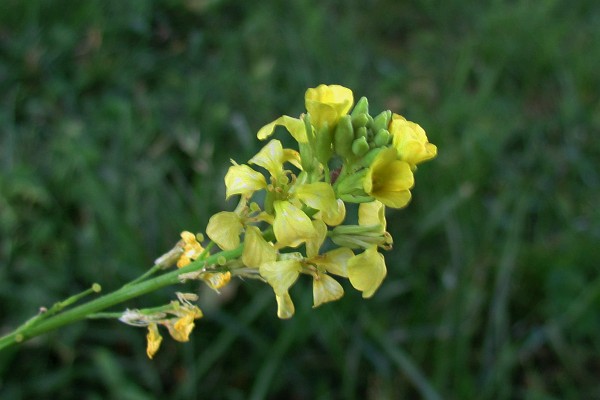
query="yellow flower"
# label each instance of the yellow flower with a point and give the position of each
(327, 104)
(224, 229)
(291, 226)
(241, 179)
(410, 141)
(295, 127)
(154, 339)
(180, 328)
(389, 180)
(366, 271)
(191, 249)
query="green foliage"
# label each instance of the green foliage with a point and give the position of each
(117, 123)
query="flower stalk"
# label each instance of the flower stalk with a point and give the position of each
(289, 224)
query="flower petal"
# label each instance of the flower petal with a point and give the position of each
(295, 127)
(281, 275)
(285, 306)
(257, 250)
(224, 229)
(366, 271)
(241, 179)
(326, 289)
(291, 226)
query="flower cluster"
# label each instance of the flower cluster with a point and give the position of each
(344, 156)
(291, 217)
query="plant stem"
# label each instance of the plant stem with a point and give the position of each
(121, 295)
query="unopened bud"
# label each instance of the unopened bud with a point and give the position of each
(382, 138)
(382, 120)
(360, 147)
(361, 107)
(343, 136)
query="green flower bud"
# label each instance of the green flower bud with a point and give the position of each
(343, 137)
(357, 236)
(360, 147)
(360, 133)
(361, 107)
(323, 144)
(360, 120)
(382, 138)
(368, 158)
(382, 121)
(351, 184)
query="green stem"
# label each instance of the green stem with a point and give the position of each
(118, 296)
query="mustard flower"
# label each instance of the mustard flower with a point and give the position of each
(372, 213)
(326, 104)
(410, 141)
(366, 271)
(389, 180)
(216, 280)
(191, 249)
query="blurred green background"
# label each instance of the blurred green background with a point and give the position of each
(117, 123)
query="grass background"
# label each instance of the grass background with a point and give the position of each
(117, 123)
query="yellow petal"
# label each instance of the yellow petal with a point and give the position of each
(335, 261)
(241, 179)
(291, 226)
(270, 157)
(372, 213)
(153, 339)
(285, 306)
(314, 244)
(280, 274)
(326, 289)
(327, 103)
(366, 271)
(257, 250)
(294, 126)
(318, 195)
(224, 229)
(334, 216)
